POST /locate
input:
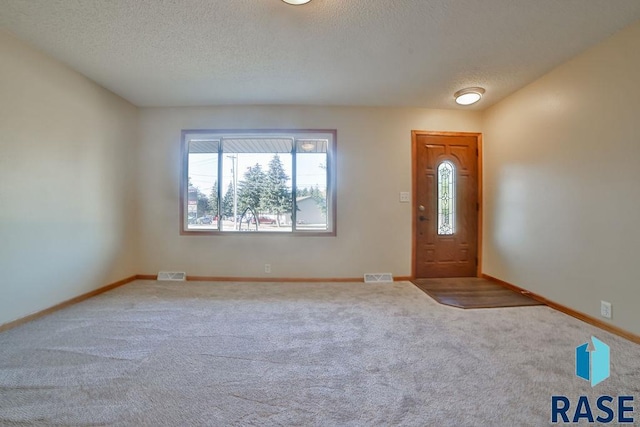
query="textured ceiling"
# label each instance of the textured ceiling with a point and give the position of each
(328, 52)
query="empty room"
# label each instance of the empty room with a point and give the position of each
(319, 212)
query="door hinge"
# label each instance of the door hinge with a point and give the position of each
(477, 152)
(476, 260)
(478, 206)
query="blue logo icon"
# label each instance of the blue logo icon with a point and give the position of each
(592, 364)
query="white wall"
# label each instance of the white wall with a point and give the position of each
(66, 183)
(374, 165)
(562, 183)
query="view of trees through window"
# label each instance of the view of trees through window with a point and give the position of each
(258, 183)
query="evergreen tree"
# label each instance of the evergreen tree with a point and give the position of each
(227, 202)
(276, 196)
(213, 199)
(251, 188)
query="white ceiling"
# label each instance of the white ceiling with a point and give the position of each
(328, 52)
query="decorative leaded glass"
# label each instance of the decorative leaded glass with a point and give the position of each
(446, 198)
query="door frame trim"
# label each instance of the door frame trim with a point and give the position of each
(414, 191)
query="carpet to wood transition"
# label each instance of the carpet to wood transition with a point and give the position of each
(472, 292)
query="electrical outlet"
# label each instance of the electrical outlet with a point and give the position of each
(267, 268)
(605, 309)
(404, 197)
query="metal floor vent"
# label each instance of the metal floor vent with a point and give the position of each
(177, 276)
(378, 278)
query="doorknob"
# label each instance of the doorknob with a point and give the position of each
(421, 208)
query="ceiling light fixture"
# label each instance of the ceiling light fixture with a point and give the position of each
(296, 2)
(308, 146)
(468, 96)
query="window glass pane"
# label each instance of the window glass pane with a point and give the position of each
(202, 185)
(242, 181)
(256, 178)
(311, 185)
(446, 198)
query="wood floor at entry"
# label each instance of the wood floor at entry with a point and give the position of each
(472, 292)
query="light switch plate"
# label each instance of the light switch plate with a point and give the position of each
(404, 197)
(605, 309)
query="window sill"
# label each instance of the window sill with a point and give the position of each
(258, 233)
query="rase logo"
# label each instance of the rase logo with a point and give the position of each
(593, 365)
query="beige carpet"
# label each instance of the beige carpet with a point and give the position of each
(244, 354)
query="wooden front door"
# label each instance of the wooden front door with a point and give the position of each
(445, 204)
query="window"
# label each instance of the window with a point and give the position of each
(266, 181)
(446, 198)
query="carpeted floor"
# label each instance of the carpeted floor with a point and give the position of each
(321, 354)
(472, 292)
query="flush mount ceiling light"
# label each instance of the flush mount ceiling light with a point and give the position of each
(308, 146)
(468, 96)
(296, 2)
